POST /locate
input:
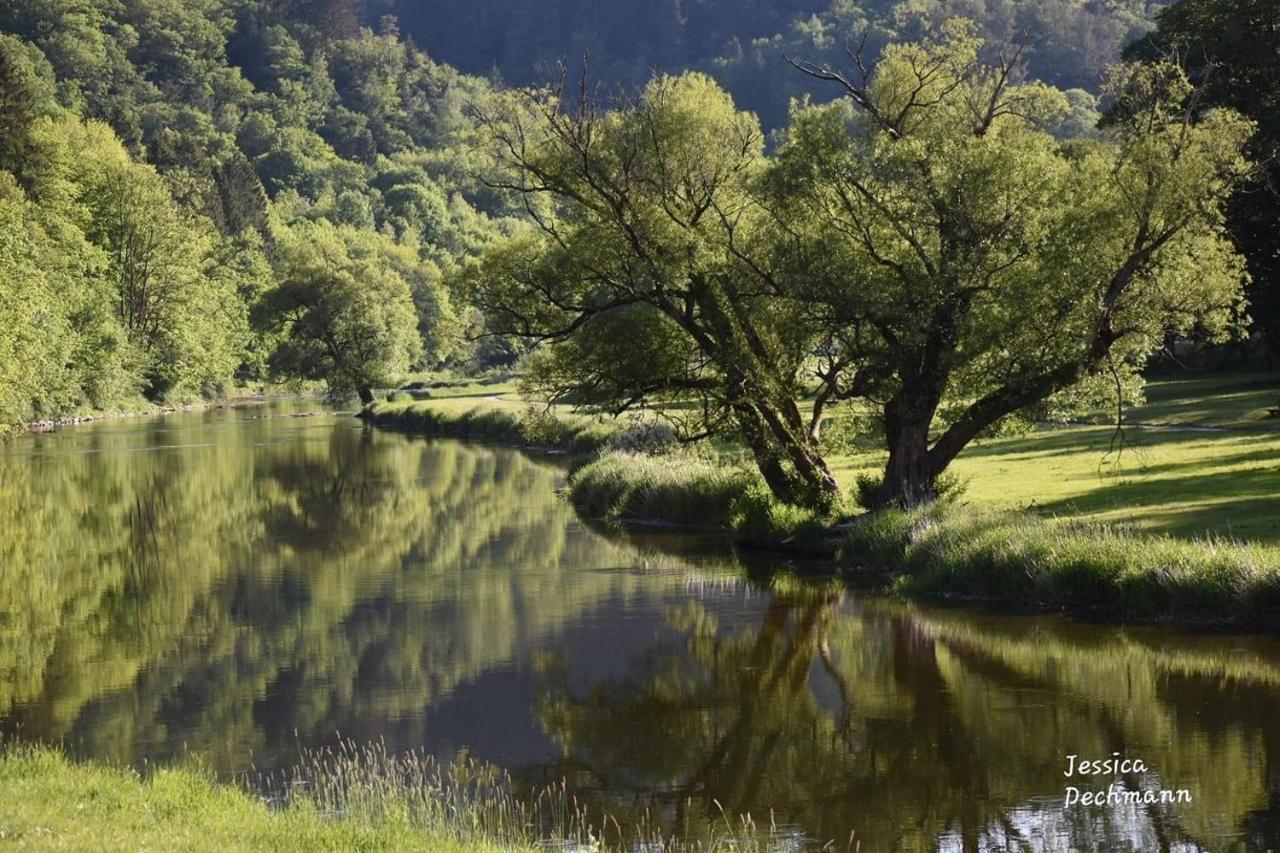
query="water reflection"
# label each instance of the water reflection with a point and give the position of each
(243, 586)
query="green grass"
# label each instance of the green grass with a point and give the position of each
(49, 803)
(1182, 483)
(958, 552)
(1230, 400)
(676, 489)
(349, 799)
(1175, 482)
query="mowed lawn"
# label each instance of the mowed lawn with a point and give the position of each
(1180, 479)
(1208, 464)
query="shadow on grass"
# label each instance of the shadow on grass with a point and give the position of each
(1237, 504)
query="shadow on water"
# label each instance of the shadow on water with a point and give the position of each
(244, 588)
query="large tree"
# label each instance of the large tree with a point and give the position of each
(343, 314)
(642, 270)
(976, 265)
(924, 244)
(1231, 48)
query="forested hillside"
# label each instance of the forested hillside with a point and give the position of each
(202, 192)
(741, 43)
(196, 191)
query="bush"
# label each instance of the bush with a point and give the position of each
(399, 397)
(651, 437)
(866, 493)
(759, 519)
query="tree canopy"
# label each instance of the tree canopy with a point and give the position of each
(1231, 49)
(923, 245)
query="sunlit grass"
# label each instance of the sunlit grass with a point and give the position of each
(351, 798)
(1177, 482)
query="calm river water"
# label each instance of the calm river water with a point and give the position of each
(243, 585)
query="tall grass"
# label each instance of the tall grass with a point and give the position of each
(676, 489)
(685, 490)
(348, 798)
(958, 551)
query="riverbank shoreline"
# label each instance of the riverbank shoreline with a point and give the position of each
(146, 410)
(151, 410)
(947, 552)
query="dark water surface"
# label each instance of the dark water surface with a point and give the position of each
(243, 587)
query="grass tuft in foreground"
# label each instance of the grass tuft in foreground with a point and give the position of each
(49, 803)
(351, 798)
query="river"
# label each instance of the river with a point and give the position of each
(243, 585)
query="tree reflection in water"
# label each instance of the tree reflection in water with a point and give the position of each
(241, 587)
(921, 729)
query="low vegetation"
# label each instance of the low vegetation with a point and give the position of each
(529, 427)
(351, 798)
(960, 552)
(52, 804)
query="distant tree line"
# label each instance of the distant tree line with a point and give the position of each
(1070, 43)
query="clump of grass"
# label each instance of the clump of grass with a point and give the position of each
(676, 489)
(52, 803)
(690, 491)
(759, 519)
(959, 551)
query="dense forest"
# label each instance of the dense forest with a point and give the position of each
(193, 193)
(198, 194)
(741, 43)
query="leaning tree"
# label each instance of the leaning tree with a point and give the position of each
(648, 272)
(975, 265)
(923, 244)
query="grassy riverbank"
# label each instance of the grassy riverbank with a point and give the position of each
(1180, 522)
(49, 803)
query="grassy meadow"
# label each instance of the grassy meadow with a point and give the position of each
(1201, 458)
(1206, 463)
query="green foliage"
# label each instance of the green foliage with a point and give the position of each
(974, 265)
(343, 312)
(644, 273)
(230, 122)
(1069, 43)
(868, 487)
(1232, 49)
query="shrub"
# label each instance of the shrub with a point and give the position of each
(950, 488)
(652, 437)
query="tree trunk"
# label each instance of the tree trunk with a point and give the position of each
(366, 395)
(910, 477)
(807, 481)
